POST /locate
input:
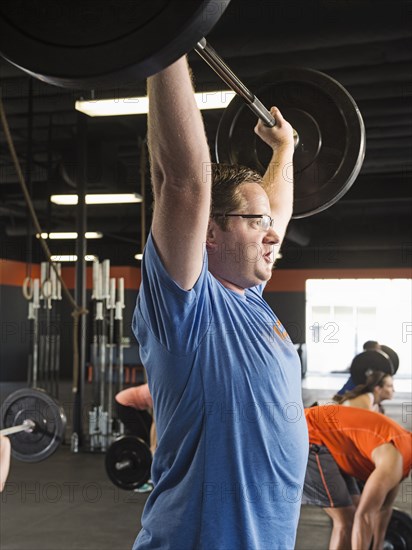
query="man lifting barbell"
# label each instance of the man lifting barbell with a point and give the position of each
(221, 369)
(347, 442)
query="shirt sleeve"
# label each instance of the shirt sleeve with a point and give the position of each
(175, 317)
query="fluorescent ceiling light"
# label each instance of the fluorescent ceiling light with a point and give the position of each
(140, 105)
(105, 198)
(71, 258)
(70, 235)
(138, 256)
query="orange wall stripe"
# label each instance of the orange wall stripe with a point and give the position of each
(294, 280)
(284, 280)
(13, 273)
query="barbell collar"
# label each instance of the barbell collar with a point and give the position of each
(27, 426)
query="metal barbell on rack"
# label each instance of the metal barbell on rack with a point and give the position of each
(35, 423)
(329, 130)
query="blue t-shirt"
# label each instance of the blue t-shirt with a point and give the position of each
(232, 435)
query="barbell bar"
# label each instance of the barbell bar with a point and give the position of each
(209, 54)
(27, 426)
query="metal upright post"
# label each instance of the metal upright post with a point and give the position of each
(80, 285)
(29, 162)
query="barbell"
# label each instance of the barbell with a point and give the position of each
(128, 461)
(393, 356)
(102, 45)
(370, 361)
(35, 423)
(399, 532)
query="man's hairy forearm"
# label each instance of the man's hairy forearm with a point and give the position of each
(177, 140)
(278, 182)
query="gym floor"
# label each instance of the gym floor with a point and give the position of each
(68, 502)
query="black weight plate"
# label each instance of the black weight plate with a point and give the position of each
(393, 356)
(399, 532)
(133, 449)
(135, 422)
(36, 405)
(331, 147)
(94, 43)
(372, 360)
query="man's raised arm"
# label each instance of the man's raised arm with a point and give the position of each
(181, 175)
(278, 179)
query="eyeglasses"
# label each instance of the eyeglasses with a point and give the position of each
(264, 221)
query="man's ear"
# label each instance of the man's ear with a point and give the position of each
(211, 243)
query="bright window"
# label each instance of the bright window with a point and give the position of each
(341, 314)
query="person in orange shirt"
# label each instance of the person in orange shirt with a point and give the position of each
(346, 443)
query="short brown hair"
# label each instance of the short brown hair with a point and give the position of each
(226, 195)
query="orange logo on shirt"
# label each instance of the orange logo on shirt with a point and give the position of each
(280, 331)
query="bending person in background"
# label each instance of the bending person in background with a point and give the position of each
(137, 397)
(347, 443)
(378, 387)
(130, 403)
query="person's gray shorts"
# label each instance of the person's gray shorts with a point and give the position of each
(325, 484)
